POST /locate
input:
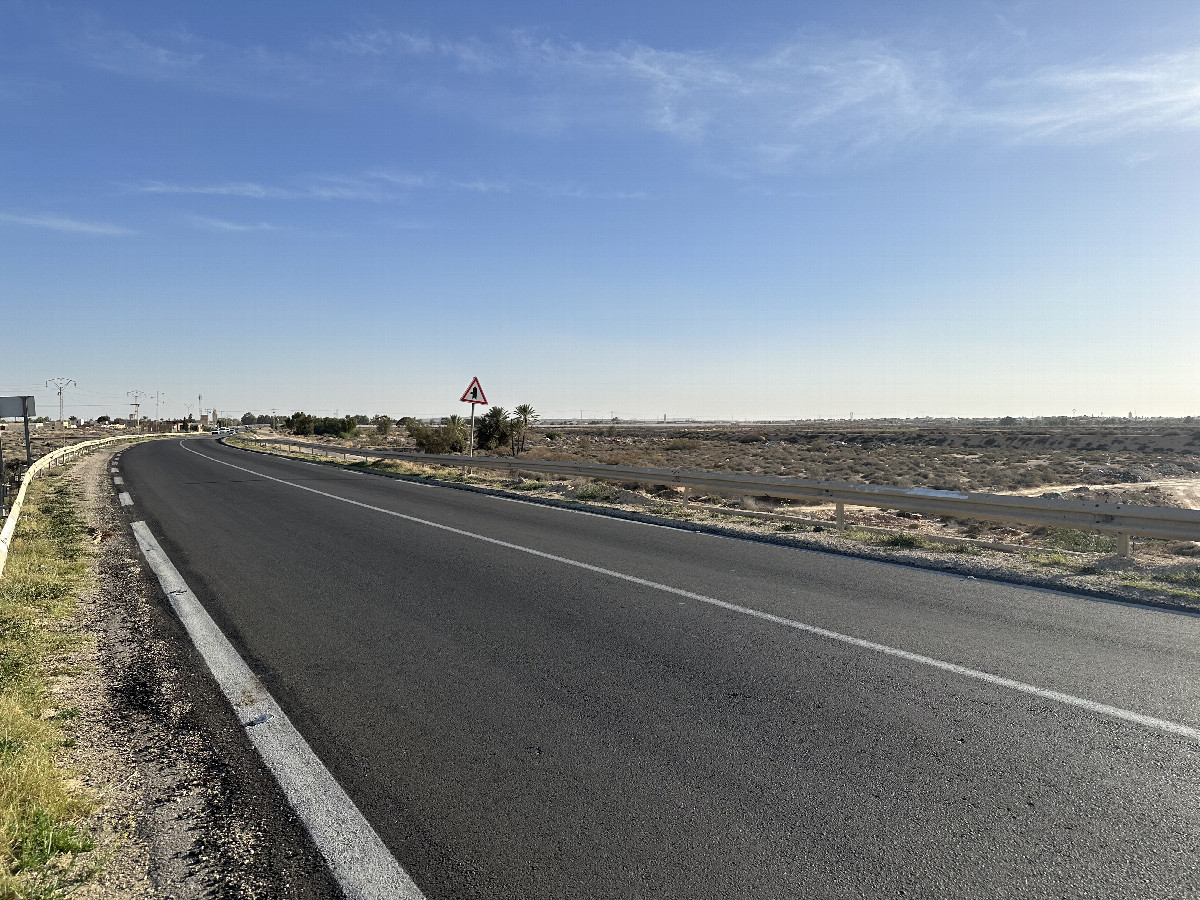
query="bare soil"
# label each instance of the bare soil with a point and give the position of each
(998, 459)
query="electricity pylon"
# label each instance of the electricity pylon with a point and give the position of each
(61, 384)
(136, 402)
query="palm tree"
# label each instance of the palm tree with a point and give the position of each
(493, 428)
(526, 414)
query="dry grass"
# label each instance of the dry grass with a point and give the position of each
(40, 813)
(964, 458)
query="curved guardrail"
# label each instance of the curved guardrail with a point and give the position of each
(1121, 519)
(61, 456)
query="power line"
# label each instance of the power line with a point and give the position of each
(136, 402)
(62, 384)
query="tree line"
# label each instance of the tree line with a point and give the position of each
(497, 430)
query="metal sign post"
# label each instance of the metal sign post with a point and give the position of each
(26, 409)
(473, 395)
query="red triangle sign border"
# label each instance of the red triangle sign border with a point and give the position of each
(478, 389)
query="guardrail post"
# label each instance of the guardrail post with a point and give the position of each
(840, 515)
(1123, 549)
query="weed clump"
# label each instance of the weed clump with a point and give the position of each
(598, 491)
(1079, 541)
(525, 485)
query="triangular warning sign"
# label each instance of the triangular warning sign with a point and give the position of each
(473, 393)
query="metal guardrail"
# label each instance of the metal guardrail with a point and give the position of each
(58, 457)
(1121, 519)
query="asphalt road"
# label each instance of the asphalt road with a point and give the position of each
(515, 726)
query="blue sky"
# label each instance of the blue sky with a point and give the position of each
(693, 209)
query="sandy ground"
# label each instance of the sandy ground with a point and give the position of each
(1185, 491)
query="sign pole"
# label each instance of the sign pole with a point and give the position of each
(473, 395)
(25, 412)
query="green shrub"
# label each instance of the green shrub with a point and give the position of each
(526, 485)
(598, 491)
(300, 423)
(1080, 541)
(1187, 576)
(449, 438)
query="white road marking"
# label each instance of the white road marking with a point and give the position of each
(114, 470)
(1102, 709)
(362, 865)
(117, 479)
(125, 499)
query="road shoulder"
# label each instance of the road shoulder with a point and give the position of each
(186, 809)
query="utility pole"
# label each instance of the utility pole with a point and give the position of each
(274, 426)
(199, 407)
(136, 402)
(157, 397)
(61, 384)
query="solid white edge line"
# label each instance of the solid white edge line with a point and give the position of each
(125, 499)
(358, 859)
(1103, 709)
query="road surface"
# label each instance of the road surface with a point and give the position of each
(528, 702)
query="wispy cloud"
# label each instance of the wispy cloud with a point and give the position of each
(378, 185)
(482, 186)
(807, 98)
(1096, 103)
(202, 63)
(228, 189)
(371, 187)
(220, 225)
(574, 191)
(65, 225)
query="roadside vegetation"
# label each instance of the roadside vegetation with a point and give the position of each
(41, 814)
